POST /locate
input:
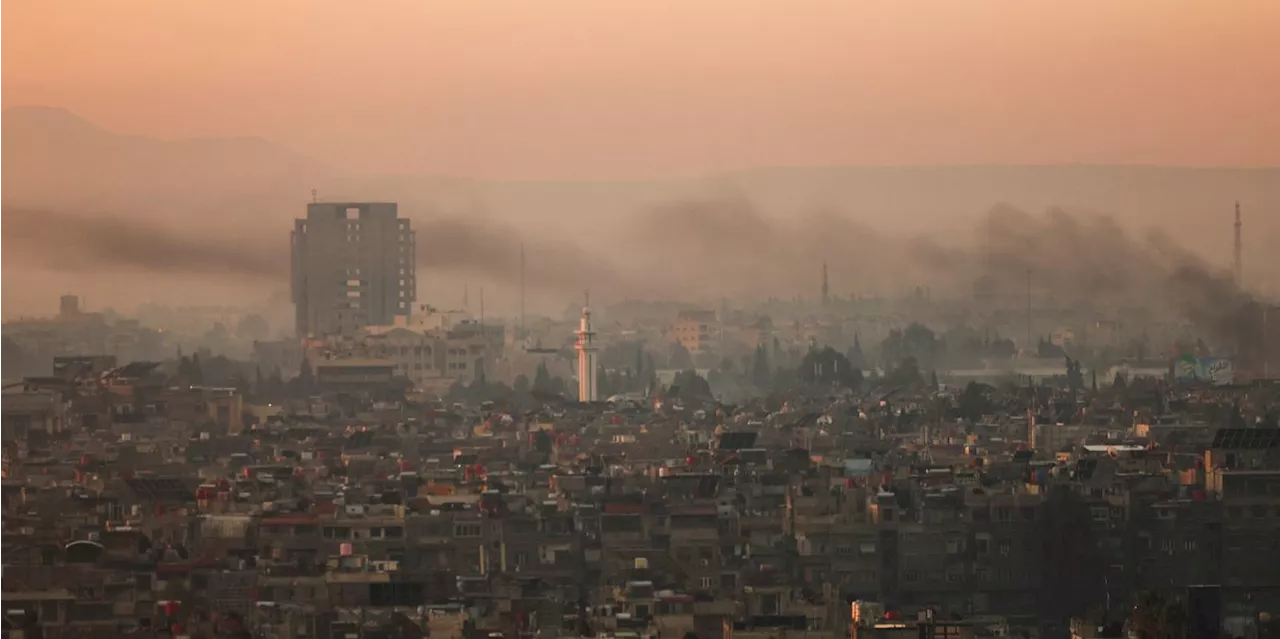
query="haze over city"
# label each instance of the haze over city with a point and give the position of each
(570, 125)
(615, 319)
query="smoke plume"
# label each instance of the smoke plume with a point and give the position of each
(66, 242)
(705, 249)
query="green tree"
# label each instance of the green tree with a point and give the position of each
(973, 402)
(783, 378)
(521, 384)
(680, 357)
(558, 385)
(542, 379)
(907, 374)
(1075, 379)
(1157, 616)
(760, 374)
(856, 357)
(828, 367)
(689, 384)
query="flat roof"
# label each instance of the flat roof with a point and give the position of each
(355, 363)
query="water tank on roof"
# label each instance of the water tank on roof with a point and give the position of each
(642, 563)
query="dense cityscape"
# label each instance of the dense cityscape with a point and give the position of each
(621, 319)
(831, 466)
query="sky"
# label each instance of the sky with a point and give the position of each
(585, 89)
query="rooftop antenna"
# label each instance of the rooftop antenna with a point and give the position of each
(520, 332)
(1238, 265)
(313, 196)
(826, 289)
(466, 302)
(1028, 309)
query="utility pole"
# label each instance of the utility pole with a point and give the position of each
(1028, 308)
(1238, 264)
(520, 333)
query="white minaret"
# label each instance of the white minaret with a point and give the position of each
(586, 358)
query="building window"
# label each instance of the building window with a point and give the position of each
(911, 576)
(705, 583)
(1006, 547)
(466, 530)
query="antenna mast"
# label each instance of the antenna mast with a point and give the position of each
(1238, 265)
(826, 289)
(520, 332)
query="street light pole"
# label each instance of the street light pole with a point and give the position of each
(1028, 308)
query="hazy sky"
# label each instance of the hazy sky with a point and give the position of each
(620, 88)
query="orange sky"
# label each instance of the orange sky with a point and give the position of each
(636, 88)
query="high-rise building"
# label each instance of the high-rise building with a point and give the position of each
(68, 306)
(353, 266)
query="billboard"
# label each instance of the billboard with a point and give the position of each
(1218, 371)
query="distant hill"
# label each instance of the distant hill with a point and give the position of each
(56, 159)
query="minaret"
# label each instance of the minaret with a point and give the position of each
(826, 288)
(1238, 265)
(586, 357)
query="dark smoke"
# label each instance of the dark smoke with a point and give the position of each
(727, 247)
(66, 242)
(492, 251)
(708, 249)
